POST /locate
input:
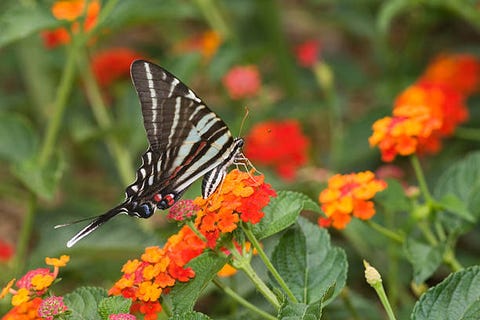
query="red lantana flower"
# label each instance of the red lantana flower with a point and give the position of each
(349, 195)
(307, 53)
(113, 64)
(459, 71)
(6, 251)
(242, 82)
(280, 144)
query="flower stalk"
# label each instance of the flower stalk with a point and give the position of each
(375, 281)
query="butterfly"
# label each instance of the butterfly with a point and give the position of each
(186, 141)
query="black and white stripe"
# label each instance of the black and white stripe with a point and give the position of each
(187, 140)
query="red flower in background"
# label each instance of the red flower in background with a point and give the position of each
(71, 10)
(113, 64)
(459, 71)
(206, 43)
(307, 53)
(6, 251)
(242, 82)
(280, 144)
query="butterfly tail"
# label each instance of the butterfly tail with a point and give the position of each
(95, 223)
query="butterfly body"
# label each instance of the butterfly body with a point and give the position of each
(186, 141)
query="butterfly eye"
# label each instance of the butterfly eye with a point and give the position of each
(144, 210)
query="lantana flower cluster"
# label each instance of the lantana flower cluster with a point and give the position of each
(206, 43)
(242, 82)
(71, 10)
(240, 197)
(349, 195)
(29, 290)
(429, 110)
(279, 144)
(112, 64)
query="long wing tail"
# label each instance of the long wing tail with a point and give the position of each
(93, 225)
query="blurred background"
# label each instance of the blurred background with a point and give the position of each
(314, 75)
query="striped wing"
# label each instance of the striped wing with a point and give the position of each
(186, 138)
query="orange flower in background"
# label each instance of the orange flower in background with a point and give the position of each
(242, 82)
(71, 10)
(280, 144)
(113, 64)
(207, 43)
(307, 53)
(459, 71)
(348, 195)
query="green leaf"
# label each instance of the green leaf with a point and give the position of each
(18, 140)
(302, 311)
(41, 181)
(424, 258)
(113, 305)
(461, 179)
(190, 315)
(21, 21)
(282, 212)
(308, 264)
(185, 294)
(83, 303)
(455, 298)
(393, 198)
(453, 204)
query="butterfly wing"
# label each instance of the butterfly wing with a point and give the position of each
(186, 138)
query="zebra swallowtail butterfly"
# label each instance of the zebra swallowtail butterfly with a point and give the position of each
(186, 141)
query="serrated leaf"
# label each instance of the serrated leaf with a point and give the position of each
(21, 21)
(308, 264)
(42, 181)
(455, 298)
(453, 204)
(461, 179)
(18, 141)
(282, 212)
(113, 305)
(83, 303)
(185, 294)
(424, 258)
(300, 311)
(191, 315)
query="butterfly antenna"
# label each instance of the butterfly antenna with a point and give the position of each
(95, 222)
(247, 111)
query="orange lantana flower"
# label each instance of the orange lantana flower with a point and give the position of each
(349, 195)
(71, 10)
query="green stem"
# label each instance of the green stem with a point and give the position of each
(424, 227)
(242, 301)
(468, 133)
(243, 263)
(383, 298)
(118, 152)
(421, 180)
(214, 17)
(267, 262)
(450, 260)
(64, 88)
(191, 225)
(24, 236)
(386, 232)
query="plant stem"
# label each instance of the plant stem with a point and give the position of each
(24, 236)
(386, 232)
(214, 17)
(468, 133)
(450, 260)
(267, 262)
(386, 304)
(191, 225)
(241, 300)
(59, 106)
(243, 263)
(421, 179)
(118, 152)
(427, 233)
